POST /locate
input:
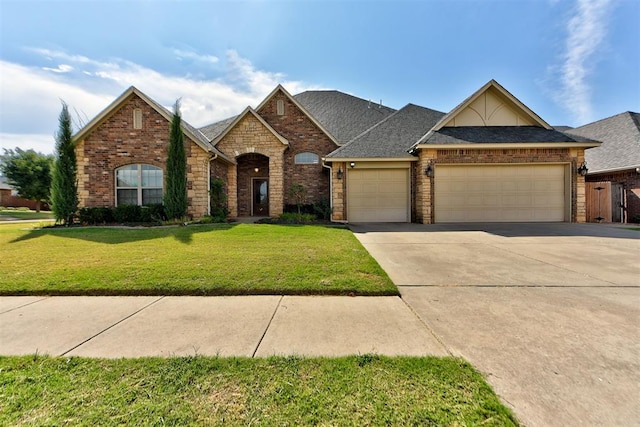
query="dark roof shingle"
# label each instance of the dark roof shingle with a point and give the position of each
(391, 137)
(344, 116)
(620, 136)
(498, 134)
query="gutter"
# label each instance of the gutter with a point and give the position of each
(624, 168)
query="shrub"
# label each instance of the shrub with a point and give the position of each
(218, 204)
(299, 194)
(323, 209)
(95, 216)
(127, 213)
(296, 218)
(152, 213)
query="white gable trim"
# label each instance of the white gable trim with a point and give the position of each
(241, 116)
(297, 104)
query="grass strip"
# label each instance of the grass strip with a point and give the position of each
(238, 259)
(356, 390)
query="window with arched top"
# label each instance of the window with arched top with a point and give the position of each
(138, 185)
(307, 159)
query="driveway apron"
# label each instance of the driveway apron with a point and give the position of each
(549, 313)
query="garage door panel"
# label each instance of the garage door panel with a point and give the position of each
(378, 195)
(501, 193)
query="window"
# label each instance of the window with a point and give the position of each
(280, 107)
(307, 159)
(137, 118)
(138, 185)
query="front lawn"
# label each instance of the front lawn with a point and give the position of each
(12, 214)
(357, 390)
(226, 259)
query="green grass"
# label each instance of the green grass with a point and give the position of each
(357, 390)
(195, 260)
(8, 214)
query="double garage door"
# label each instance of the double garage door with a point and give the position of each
(500, 193)
(464, 193)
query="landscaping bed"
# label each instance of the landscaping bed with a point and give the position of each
(357, 390)
(217, 259)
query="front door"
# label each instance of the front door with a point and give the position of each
(260, 199)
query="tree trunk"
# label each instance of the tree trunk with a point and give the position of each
(38, 206)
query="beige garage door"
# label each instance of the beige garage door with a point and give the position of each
(378, 195)
(509, 193)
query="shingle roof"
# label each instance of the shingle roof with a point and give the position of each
(344, 116)
(498, 134)
(4, 184)
(213, 130)
(393, 136)
(620, 136)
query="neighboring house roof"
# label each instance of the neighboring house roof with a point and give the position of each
(498, 134)
(198, 137)
(620, 136)
(343, 116)
(392, 137)
(4, 184)
(238, 118)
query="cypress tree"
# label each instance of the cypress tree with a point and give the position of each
(64, 184)
(175, 197)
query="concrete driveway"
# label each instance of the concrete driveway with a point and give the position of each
(550, 313)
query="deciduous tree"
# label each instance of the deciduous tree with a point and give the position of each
(29, 172)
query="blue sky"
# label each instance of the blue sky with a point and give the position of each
(570, 61)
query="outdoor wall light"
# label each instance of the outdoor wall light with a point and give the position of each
(352, 164)
(582, 169)
(256, 170)
(429, 170)
(340, 173)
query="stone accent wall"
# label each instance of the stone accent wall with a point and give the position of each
(303, 136)
(249, 136)
(339, 192)
(424, 184)
(115, 143)
(631, 181)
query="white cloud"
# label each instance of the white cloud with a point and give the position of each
(42, 143)
(185, 54)
(62, 68)
(31, 95)
(586, 30)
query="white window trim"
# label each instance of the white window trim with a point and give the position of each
(139, 187)
(315, 162)
(137, 118)
(280, 107)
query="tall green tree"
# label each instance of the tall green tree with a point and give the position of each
(64, 185)
(175, 196)
(29, 172)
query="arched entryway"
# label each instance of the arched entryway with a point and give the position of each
(253, 185)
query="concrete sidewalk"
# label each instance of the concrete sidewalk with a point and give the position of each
(252, 326)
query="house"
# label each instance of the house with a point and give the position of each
(613, 180)
(9, 197)
(489, 159)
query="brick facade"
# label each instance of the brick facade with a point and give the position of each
(115, 143)
(424, 193)
(303, 136)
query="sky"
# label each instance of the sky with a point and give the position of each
(570, 61)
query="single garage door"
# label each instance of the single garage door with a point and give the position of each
(378, 195)
(503, 193)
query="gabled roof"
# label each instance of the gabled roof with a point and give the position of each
(491, 85)
(4, 184)
(239, 117)
(194, 134)
(343, 116)
(302, 108)
(620, 136)
(391, 137)
(499, 134)
(214, 129)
